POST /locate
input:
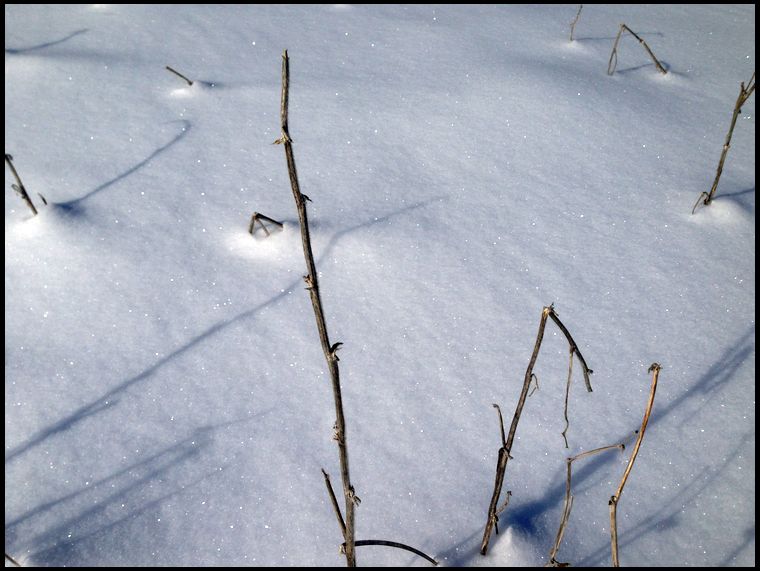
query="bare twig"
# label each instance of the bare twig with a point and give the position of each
(19, 188)
(575, 21)
(567, 398)
(175, 72)
(329, 350)
(12, 560)
(655, 370)
(569, 502)
(501, 425)
(613, 56)
(334, 501)
(258, 218)
(361, 542)
(504, 451)
(744, 93)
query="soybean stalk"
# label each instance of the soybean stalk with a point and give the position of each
(575, 21)
(744, 93)
(655, 370)
(19, 187)
(613, 56)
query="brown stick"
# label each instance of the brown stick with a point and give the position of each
(611, 67)
(655, 370)
(175, 72)
(12, 560)
(334, 501)
(575, 21)
(569, 502)
(362, 542)
(19, 188)
(330, 351)
(567, 398)
(744, 93)
(504, 451)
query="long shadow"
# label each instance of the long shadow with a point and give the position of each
(104, 402)
(736, 197)
(526, 516)
(612, 38)
(75, 205)
(46, 44)
(665, 65)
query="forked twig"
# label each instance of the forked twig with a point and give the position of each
(19, 187)
(575, 21)
(613, 56)
(175, 72)
(744, 93)
(361, 542)
(569, 502)
(504, 451)
(655, 370)
(258, 218)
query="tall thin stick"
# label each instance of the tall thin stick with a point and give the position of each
(655, 370)
(744, 93)
(569, 502)
(612, 64)
(330, 351)
(575, 21)
(19, 188)
(504, 451)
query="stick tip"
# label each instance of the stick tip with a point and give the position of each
(654, 367)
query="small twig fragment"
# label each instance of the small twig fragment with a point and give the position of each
(175, 72)
(19, 187)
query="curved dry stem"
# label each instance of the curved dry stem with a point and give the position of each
(655, 370)
(362, 542)
(575, 21)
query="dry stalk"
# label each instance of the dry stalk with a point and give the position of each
(655, 370)
(19, 188)
(569, 502)
(13, 561)
(504, 451)
(175, 72)
(258, 218)
(613, 56)
(744, 93)
(575, 21)
(329, 350)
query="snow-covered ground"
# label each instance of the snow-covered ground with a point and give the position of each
(166, 398)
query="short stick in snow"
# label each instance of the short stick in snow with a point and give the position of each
(744, 93)
(260, 218)
(175, 72)
(575, 21)
(19, 187)
(613, 56)
(655, 370)
(12, 561)
(504, 452)
(569, 502)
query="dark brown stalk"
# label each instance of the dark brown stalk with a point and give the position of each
(744, 93)
(575, 21)
(569, 502)
(12, 560)
(330, 351)
(334, 501)
(362, 542)
(655, 370)
(175, 72)
(19, 188)
(613, 56)
(504, 451)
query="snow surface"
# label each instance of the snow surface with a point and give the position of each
(166, 398)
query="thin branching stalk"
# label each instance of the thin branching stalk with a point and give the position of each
(613, 56)
(175, 72)
(361, 542)
(504, 452)
(329, 350)
(259, 218)
(744, 93)
(655, 370)
(569, 502)
(19, 187)
(575, 21)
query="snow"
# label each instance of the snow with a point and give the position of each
(166, 398)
